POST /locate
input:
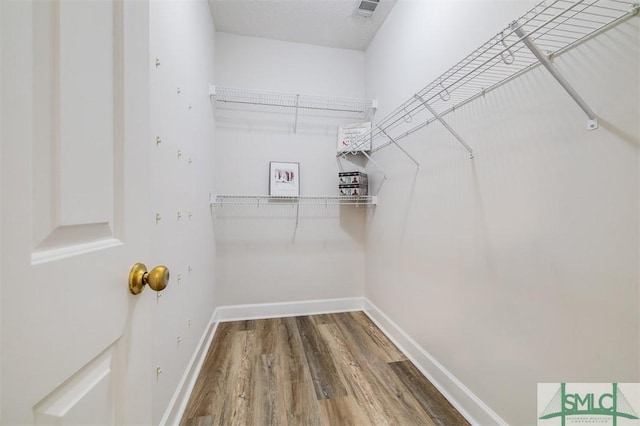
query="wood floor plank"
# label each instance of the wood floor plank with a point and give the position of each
(264, 399)
(200, 421)
(432, 401)
(245, 325)
(343, 412)
(321, 319)
(298, 391)
(402, 406)
(325, 377)
(266, 334)
(213, 374)
(231, 402)
(386, 348)
(268, 405)
(355, 377)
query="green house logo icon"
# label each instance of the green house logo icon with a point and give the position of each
(567, 404)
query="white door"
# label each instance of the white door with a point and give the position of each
(74, 126)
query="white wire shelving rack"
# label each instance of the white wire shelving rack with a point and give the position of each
(547, 30)
(281, 102)
(273, 207)
(306, 200)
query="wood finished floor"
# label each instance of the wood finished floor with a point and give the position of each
(334, 369)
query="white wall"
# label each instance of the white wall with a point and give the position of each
(263, 256)
(520, 266)
(1, 281)
(182, 38)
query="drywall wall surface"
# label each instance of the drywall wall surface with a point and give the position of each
(182, 154)
(262, 64)
(521, 265)
(279, 253)
(424, 38)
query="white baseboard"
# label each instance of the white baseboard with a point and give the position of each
(180, 398)
(465, 401)
(287, 309)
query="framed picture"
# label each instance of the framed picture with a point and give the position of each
(350, 137)
(284, 179)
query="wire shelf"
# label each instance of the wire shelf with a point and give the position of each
(281, 101)
(554, 26)
(284, 208)
(270, 200)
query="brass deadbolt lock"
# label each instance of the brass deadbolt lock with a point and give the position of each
(157, 278)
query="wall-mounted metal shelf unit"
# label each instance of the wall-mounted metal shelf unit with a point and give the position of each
(264, 101)
(268, 207)
(545, 31)
(268, 200)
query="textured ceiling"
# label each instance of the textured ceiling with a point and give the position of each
(332, 23)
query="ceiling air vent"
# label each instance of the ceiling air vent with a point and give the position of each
(367, 7)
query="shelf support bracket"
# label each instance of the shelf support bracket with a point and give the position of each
(295, 124)
(343, 155)
(399, 147)
(445, 124)
(592, 123)
(384, 175)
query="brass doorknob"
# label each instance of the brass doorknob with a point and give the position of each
(157, 278)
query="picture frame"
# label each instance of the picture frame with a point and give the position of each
(284, 179)
(349, 137)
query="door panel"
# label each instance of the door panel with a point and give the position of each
(86, 95)
(75, 342)
(79, 127)
(75, 401)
